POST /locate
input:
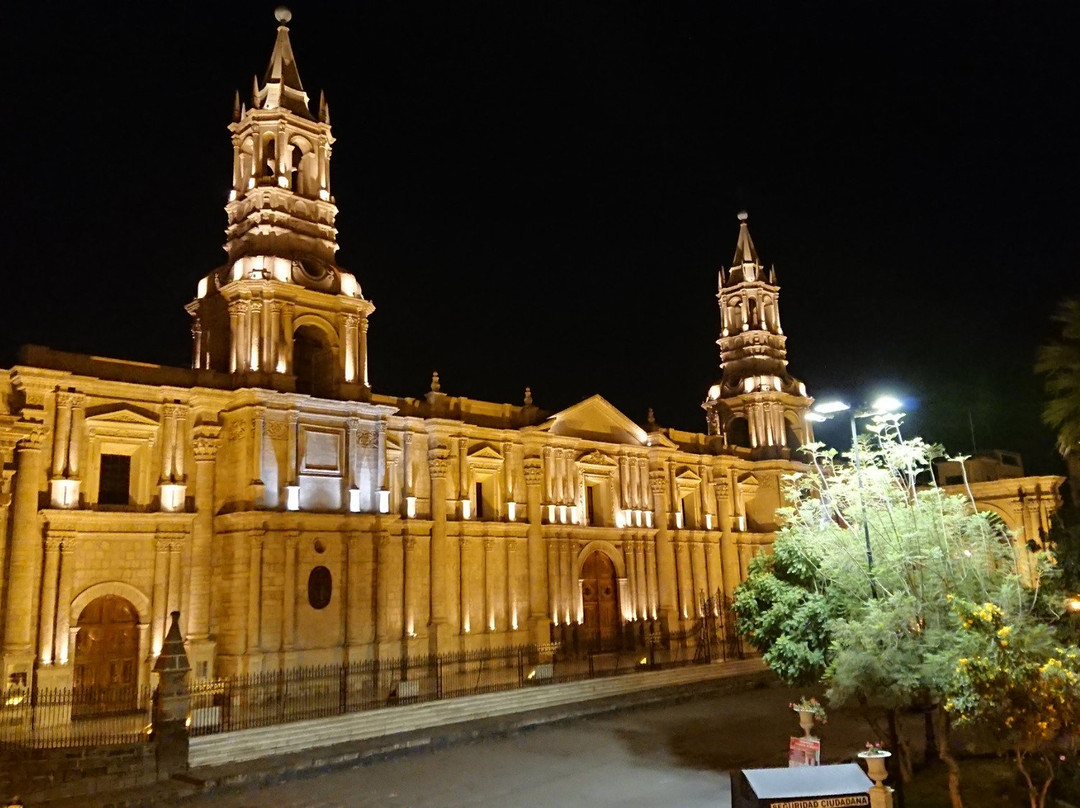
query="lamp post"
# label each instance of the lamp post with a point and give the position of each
(881, 405)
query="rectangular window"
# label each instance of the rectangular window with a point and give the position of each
(114, 479)
(590, 504)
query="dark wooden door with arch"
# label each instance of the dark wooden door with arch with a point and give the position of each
(106, 658)
(601, 627)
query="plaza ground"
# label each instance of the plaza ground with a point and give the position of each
(675, 754)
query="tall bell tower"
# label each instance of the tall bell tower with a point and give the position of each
(281, 313)
(757, 404)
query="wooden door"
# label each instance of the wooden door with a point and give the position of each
(601, 628)
(106, 658)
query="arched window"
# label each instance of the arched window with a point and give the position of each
(320, 586)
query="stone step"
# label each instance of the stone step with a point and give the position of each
(251, 744)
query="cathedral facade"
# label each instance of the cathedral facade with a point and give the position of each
(292, 514)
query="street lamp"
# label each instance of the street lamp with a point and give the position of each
(823, 412)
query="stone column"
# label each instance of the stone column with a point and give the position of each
(254, 593)
(160, 593)
(63, 599)
(362, 353)
(234, 336)
(202, 539)
(686, 586)
(665, 554)
(380, 436)
(410, 585)
(466, 589)
(61, 434)
(698, 577)
(553, 583)
(24, 569)
(490, 576)
(353, 626)
(382, 589)
(629, 607)
(650, 577)
(539, 618)
(729, 550)
(49, 584)
(641, 580)
(713, 566)
(439, 554)
(175, 582)
(75, 441)
(350, 322)
(196, 345)
(287, 310)
(566, 581)
(273, 343)
(288, 593)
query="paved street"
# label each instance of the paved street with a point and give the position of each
(675, 755)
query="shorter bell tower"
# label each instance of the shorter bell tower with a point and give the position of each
(757, 404)
(281, 313)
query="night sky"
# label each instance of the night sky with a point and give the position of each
(541, 193)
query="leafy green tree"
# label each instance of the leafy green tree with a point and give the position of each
(879, 633)
(1059, 362)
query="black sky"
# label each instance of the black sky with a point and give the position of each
(540, 193)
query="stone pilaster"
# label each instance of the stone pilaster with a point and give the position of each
(20, 612)
(665, 554)
(200, 646)
(539, 599)
(439, 555)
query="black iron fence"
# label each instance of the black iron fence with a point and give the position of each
(114, 715)
(278, 697)
(92, 716)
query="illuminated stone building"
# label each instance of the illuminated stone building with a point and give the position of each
(294, 515)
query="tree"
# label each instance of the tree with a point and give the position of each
(1059, 362)
(1021, 689)
(880, 634)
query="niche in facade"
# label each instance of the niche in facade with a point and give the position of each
(320, 586)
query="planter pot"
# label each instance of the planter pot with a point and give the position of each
(875, 765)
(806, 721)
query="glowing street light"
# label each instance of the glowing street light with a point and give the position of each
(881, 405)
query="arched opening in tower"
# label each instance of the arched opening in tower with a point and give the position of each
(313, 362)
(738, 433)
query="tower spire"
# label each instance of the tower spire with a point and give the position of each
(281, 84)
(757, 403)
(745, 252)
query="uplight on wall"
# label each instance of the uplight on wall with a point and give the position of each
(466, 509)
(384, 501)
(410, 507)
(172, 497)
(65, 493)
(354, 500)
(511, 511)
(292, 497)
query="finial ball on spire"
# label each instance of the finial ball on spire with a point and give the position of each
(282, 14)
(743, 215)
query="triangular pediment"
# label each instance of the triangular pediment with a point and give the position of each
(688, 475)
(596, 419)
(484, 452)
(122, 414)
(594, 458)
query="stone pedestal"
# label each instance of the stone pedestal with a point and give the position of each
(172, 703)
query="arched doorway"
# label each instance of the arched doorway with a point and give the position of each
(600, 628)
(313, 362)
(106, 658)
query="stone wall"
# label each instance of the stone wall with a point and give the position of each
(63, 773)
